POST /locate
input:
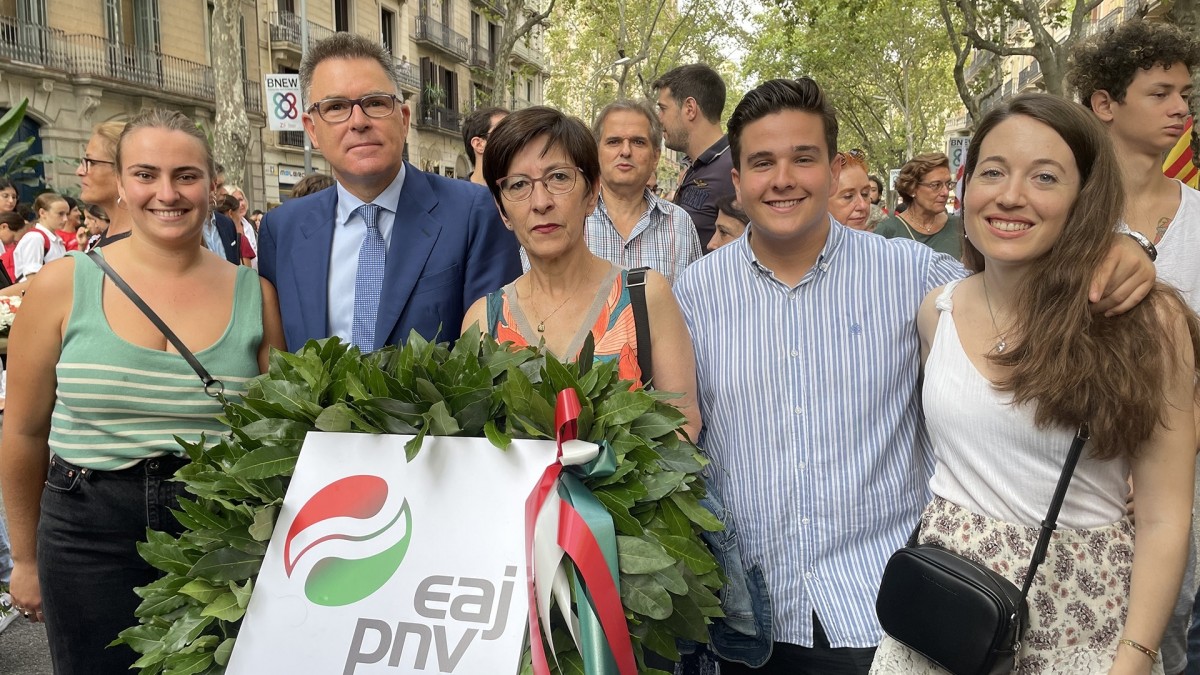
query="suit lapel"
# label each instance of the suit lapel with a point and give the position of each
(310, 263)
(414, 233)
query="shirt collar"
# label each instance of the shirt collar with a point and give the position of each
(653, 203)
(713, 152)
(833, 243)
(347, 203)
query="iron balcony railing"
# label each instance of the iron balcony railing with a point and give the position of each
(285, 27)
(441, 36)
(92, 56)
(410, 75)
(482, 57)
(526, 53)
(291, 139)
(438, 117)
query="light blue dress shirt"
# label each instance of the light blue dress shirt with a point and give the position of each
(813, 418)
(212, 236)
(348, 232)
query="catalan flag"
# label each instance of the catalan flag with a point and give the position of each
(1181, 162)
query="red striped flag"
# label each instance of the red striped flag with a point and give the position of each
(1180, 163)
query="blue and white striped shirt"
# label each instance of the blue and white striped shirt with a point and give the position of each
(813, 419)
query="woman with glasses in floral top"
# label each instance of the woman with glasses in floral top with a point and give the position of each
(926, 185)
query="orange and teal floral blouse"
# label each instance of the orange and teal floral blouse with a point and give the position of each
(609, 320)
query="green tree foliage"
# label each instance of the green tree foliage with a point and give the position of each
(885, 66)
(587, 38)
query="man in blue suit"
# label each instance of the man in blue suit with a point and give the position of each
(389, 248)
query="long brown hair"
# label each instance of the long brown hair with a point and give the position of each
(1073, 365)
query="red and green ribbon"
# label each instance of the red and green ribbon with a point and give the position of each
(586, 538)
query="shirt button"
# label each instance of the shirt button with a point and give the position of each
(798, 410)
(795, 353)
(801, 465)
(804, 521)
(808, 575)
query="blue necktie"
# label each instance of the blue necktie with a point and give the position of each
(369, 280)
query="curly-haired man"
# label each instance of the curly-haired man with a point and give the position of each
(1136, 78)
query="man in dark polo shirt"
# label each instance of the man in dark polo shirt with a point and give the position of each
(690, 101)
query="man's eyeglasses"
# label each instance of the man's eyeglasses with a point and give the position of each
(334, 110)
(937, 186)
(87, 163)
(518, 188)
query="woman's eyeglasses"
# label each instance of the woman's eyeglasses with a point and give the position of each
(518, 188)
(87, 163)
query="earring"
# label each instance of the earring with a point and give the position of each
(118, 200)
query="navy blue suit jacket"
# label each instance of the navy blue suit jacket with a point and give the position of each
(229, 237)
(448, 249)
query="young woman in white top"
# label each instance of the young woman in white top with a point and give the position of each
(1014, 362)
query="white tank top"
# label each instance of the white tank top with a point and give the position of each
(990, 458)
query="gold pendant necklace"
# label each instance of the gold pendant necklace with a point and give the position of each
(1002, 344)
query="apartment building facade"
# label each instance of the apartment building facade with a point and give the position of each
(82, 62)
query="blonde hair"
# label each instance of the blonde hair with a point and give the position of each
(109, 134)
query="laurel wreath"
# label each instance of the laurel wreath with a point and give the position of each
(189, 618)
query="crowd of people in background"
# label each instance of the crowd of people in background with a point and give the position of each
(851, 371)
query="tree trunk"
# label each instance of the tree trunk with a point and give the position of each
(231, 135)
(514, 29)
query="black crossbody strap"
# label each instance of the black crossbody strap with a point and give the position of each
(635, 281)
(1051, 521)
(212, 386)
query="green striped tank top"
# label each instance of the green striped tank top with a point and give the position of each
(118, 403)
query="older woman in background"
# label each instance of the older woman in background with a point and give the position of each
(98, 180)
(925, 185)
(851, 203)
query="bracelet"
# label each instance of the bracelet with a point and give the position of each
(1153, 654)
(1144, 242)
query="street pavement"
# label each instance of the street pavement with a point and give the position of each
(23, 646)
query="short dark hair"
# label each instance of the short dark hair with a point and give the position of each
(627, 105)
(13, 220)
(730, 207)
(228, 205)
(875, 179)
(344, 46)
(477, 125)
(775, 96)
(698, 81)
(1109, 60)
(527, 126)
(6, 183)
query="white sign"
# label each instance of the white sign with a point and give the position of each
(290, 174)
(956, 150)
(380, 566)
(283, 102)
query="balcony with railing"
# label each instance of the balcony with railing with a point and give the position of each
(410, 76)
(482, 57)
(1029, 75)
(980, 60)
(92, 56)
(439, 36)
(438, 118)
(495, 6)
(285, 31)
(527, 54)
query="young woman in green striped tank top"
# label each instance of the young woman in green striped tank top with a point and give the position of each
(96, 395)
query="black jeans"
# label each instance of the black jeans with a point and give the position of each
(88, 564)
(820, 659)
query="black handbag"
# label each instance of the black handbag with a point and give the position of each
(959, 614)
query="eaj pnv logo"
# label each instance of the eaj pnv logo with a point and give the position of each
(336, 579)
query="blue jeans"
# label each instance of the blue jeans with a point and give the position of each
(746, 633)
(6, 563)
(88, 563)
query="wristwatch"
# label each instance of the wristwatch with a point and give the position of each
(1145, 243)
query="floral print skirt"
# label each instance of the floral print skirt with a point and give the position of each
(1077, 603)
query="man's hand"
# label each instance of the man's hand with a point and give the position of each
(1123, 280)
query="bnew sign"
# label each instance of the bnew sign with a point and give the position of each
(380, 566)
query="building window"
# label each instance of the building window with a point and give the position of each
(288, 6)
(32, 12)
(145, 24)
(341, 15)
(387, 29)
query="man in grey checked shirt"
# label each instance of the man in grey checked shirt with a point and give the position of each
(632, 226)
